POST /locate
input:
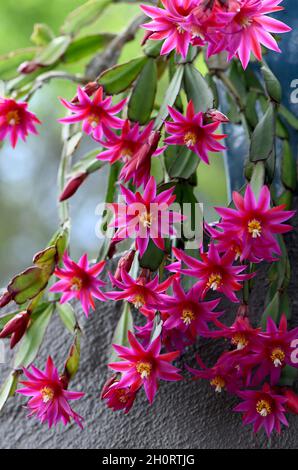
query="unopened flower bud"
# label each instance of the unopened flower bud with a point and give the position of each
(5, 298)
(28, 67)
(16, 327)
(242, 311)
(72, 186)
(125, 264)
(111, 380)
(216, 116)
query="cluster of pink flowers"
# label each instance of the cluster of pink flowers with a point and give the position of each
(238, 27)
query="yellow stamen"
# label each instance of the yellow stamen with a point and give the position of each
(190, 139)
(219, 383)
(245, 22)
(278, 356)
(180, 29)
(139, 301)
(93, 120)
(214, 281)
(122, 395)
(187, 316)
(196, 32)
(263, 408)
(146, 219)
(239, 340)
(144, 369)
(126, 154)
(76, 284)
(255, 228)
(13, 118)
(47, 394)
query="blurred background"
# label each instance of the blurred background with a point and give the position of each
(28, 192)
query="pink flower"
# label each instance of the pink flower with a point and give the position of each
(97, 115)
(221, 376)
(191, 131)
(50, 397)
(145, 366)
(263, 408)
(118, 398)
(145, 216)
(255, 224)
(127, 144)
(214, 272)
(249, 27)
(241, 333)
(273, 352)
(169, 23)
(16, 328)
(79, 281)
(187, 312)
(142, 292)
(16, 120)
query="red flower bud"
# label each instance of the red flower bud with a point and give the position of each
(216, 116)
(5, 299)
(146, 37)
(242, 311)
(16, 327)
(125, 264)
(111, 380)
(89, 89)
(292, 400)
(72, 186)
(28, 67)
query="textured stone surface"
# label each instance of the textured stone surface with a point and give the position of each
(184, 415)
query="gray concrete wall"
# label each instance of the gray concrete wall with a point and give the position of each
(184, 415)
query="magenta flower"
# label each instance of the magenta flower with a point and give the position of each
(241, 333)
(118, 398)
(142, 292)
(250, 27)
(97, 115)
(186, 312)
(50, 397)
(255, 224)
(144, 366)
(145, 216)
(127, 144)
(79, 281)
(273, 352)
(263, 408)
(170, 23)
(16, 120)
(190, 130)
(221, 376)
(214, 272)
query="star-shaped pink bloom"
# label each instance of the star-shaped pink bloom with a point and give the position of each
(80, 281)
(263, 408)
(50, 397)
(16, 120)
(215, 272)
(97, 114)
(170, 23)
(187, 312)
(190, 130)
(145, 216)
(145, 366)
(255, 224)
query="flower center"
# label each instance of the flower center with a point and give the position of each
(245, 22)
(47, 394)
(239, 340)
(13, 118)
(237, 251)
(126, 154)
(254, 228)
(76, 284)
(219, 383)
(187, 316)
(180, 29)
(214, 281)
(190, 139)
(139, 301)
(146, 219)
(93, 120)
(122, 395)
(277, 356)
(144, 369)
(263, 408)
(196, 32)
